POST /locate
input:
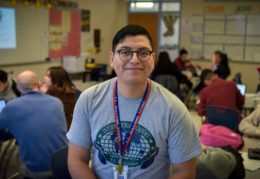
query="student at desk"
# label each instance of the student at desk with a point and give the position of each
(58, 83)
(8, 90)
(218, 92)
(250, 125)
(220, 65)
(37, 121)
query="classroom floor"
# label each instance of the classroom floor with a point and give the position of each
(9, 150)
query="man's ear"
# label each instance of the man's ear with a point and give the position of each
(154, 58)
(111, 59)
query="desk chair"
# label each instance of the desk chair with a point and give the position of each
(223, 116)
(59, 163)
(170, 82)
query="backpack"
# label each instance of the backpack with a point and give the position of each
(239, 170)
(217, 136)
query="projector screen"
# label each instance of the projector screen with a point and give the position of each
(30, 26)
(7, 28)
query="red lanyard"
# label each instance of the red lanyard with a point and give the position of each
(123, 144)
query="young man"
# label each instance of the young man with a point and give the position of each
(134, 127)
(37, 121)
(218, 92)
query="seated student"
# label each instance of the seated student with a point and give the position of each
(218, 92)
(8, 90)
(250, 125)
(220, 66)
(58, 83)
(38, 123)
(184, 63)
(165, 66)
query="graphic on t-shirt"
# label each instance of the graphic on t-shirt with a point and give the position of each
(141, 151)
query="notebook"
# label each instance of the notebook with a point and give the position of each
(241, 88)
(2, 104)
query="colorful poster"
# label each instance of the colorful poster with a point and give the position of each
(64, 34)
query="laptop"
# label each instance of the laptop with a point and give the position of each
(2, 104)
(241, 88)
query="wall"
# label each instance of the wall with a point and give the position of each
(109, 16)
(248, 70)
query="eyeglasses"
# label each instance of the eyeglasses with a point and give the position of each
(127, 54)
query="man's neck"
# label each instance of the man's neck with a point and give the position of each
(130, 90)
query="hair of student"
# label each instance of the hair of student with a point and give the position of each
(3, 76)
(130, 30)
(28, 83)
(183, 51)
(164, 62)
(206, 74)
(60, 79)
(224, 63)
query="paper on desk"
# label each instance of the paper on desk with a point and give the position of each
(250, 164)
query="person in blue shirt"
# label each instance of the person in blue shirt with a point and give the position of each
(37, 121)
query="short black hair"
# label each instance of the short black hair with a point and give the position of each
(206, 74)
(130, 30)
(183, 51)
(3, 76)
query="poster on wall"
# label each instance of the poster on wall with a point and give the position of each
(64, 34)
(169, 30)
(85, 20)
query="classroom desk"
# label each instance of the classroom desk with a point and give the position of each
(91, 73)
(252, 167)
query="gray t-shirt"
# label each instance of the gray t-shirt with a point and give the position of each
(165, 133)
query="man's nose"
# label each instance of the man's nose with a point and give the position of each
(135, 56)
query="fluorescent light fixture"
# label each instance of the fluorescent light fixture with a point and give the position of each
(144, 4)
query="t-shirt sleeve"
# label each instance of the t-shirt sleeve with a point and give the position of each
(183, 143)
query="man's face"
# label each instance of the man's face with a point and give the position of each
(2, 86)
(215, 58)
(135, 70)
(184, 57)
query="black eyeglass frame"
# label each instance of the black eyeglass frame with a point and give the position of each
(138, 53)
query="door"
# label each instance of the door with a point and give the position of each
(149, 21)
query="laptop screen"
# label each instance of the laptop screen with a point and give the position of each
(242, 88)
(2, 104)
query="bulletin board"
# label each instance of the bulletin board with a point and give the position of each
(238, 35)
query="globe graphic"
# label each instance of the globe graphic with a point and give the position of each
(141, 147)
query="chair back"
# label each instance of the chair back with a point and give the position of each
(223, 116)
(59, 163)
(170, 82)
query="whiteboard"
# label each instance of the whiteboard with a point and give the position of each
(238, 35)
(253, 26)
(31, 34)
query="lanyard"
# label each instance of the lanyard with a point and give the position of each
(123, 145)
